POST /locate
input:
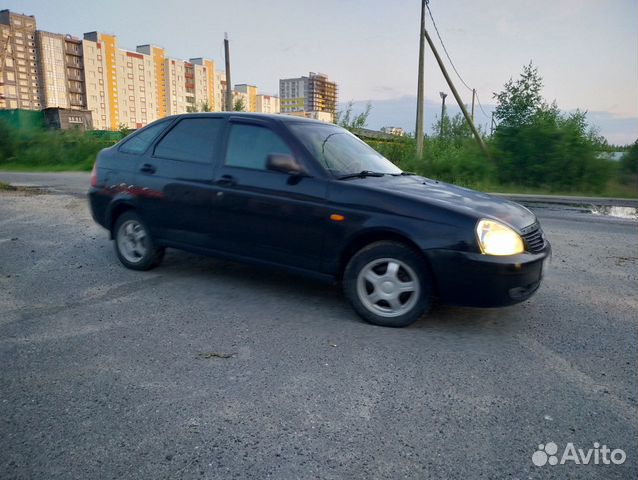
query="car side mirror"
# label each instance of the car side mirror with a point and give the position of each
(279, 162)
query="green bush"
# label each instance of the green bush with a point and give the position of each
(48, 149)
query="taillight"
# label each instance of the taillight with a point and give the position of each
(94, 175)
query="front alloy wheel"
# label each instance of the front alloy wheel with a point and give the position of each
(388, 284)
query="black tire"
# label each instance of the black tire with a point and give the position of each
(148, 255)
(375, 261)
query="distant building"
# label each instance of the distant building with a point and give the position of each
(66, 119)
(313, 94)
(326, 117)
(61, 71)
(43, 70)
(398, 131)
(210, 85)
(251, 95)
(268, 104)
(19, 82)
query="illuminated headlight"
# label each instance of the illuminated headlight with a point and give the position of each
(494, 238)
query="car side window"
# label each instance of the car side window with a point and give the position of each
(140, 141)
(191, 140)
(250, 145)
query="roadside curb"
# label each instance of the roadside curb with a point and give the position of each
(568, 200)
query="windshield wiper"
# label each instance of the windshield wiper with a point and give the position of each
(361, 174)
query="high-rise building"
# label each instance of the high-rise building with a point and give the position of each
(75, 72)
(52, 69)
(314, 94)
(60, 70)
(267, 104)
(240, 99)
(93, 77)
(208, 86)
(19, 84)
(98, 84)
(157, 55)
(251, 95)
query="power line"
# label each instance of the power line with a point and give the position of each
(481, 106)
(427, 4)
(438, 34)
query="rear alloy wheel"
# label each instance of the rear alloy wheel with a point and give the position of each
(133, 243)
(388, 284)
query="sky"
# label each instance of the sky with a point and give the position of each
(586, 50)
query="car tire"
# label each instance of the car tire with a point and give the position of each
(388, 284)
(134, 245)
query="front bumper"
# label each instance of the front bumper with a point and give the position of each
(478, 280)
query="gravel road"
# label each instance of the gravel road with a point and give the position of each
(209, 369)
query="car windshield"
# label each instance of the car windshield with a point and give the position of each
(340, 152)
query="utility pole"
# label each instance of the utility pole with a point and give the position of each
(418, 132)
(229, 88)
(479, 140)
(443, 95)
(473, 97)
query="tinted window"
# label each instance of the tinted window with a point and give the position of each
(139, 142)
(191, 140)
(250, 145)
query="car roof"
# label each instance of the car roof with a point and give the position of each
(272, 116)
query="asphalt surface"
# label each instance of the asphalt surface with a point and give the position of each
(210, 369)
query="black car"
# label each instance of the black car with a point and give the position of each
(311, 197)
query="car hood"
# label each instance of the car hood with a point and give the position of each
(445, 195)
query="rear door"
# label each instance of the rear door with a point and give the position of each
(268, 215)
(176, 180)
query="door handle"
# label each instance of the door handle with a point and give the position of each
(147, 168)
(226, 181)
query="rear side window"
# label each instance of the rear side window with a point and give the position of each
(250, 145)
(191, 140)
(140, 141)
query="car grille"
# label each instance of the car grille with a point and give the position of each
(534, 238)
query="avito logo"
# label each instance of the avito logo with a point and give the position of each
(548, 454)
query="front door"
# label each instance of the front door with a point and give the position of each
(264, 214)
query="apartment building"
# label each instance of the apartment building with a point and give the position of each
(43, 70)
(75, 72)
(19, 79)
(241, 98)
(314, 94)
(220, 91)
(61, 71)
(52, 70)
(158, 57)
(97, 82)
(136, 87)
(251, 95)
(267, 104)
(208, 83)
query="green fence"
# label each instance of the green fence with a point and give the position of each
(23, 119)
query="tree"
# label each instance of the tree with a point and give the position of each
(521, 99)
(351, 122)
(123, 129)
(454, 129)
(629, 161)
(203, 107)
(538, 146)
(239, 105)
